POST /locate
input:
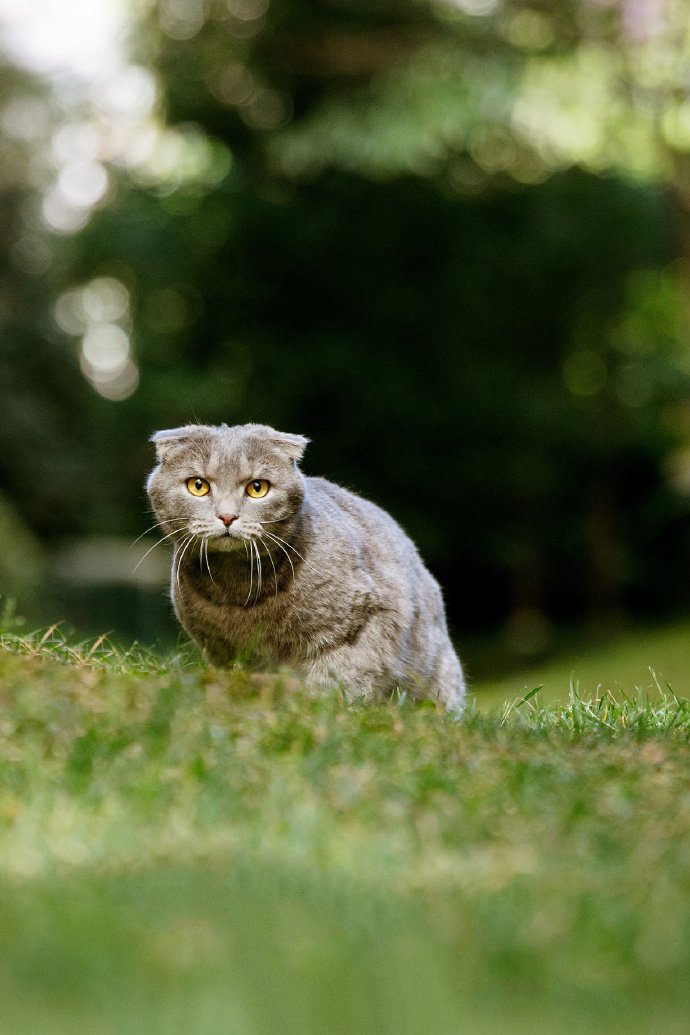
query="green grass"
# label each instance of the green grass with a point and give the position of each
(625, 663)
(196, 851)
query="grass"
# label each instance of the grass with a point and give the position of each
(189, 850)
(624, 663)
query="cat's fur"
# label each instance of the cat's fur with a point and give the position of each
(310, 576)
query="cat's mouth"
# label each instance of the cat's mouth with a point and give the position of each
(225, 540)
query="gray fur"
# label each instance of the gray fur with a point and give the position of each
(310, 576)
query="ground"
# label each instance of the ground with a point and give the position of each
(185, 849)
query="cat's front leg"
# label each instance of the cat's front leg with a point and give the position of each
(369, 668)
(333, 673)
(377, 666)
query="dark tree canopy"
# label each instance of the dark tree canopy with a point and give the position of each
(402, 230)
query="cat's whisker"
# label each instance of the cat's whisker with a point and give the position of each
(175, 531)
(175, 566)
(182, 551)
(172, 532)
(291, 547)
(270, 557)
(275, 521)
(280, 547)
(251, 571)
(208, 566)
(253, 553)
(177, 560)
(163, 521)
(259, 568)
(296, 552)
(145, 532)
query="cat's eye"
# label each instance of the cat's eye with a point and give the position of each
(257, 488)
(198, 486)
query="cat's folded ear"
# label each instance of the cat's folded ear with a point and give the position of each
(165, 441)
(293, 445)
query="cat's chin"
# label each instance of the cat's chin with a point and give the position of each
(224, 544)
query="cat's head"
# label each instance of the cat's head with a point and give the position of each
(226, 484)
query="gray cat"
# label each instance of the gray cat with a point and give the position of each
(303, 572)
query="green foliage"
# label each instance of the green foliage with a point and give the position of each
(475, 90)
(193, 849)
(663, 713)
(434, 237)
(432, 318)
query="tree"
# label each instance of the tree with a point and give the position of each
(388, 226)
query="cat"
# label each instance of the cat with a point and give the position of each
(304, 572)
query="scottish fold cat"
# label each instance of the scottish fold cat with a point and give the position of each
(295, 568)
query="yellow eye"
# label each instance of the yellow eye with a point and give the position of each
(257, 488)
(198, 486)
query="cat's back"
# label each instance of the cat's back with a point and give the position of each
(376, 573)
(349, 510)
(357, 525)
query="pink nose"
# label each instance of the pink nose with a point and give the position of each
(227, 519)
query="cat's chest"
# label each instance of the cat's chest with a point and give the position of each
(227, 606)
(289, 623)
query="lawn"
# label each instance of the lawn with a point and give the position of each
(184, 850)
(625, 663)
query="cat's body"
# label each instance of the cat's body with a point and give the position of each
(296, 568)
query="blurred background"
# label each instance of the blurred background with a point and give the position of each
(449, 241)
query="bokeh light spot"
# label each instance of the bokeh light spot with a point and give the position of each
(117, 384)
(130, 93)
(675, 126)
(181, 19)
(105, 300)
(529, 30)
(478, 8)
(247, 10)
(76, 141)
(584, 372)
(60, 216)
(105, 348)
(83, 183)
(69, 312)
(25, 118)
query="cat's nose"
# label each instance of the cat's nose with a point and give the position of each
(227, 519)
